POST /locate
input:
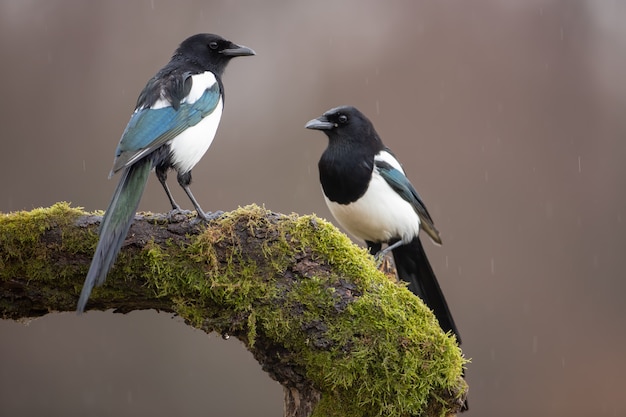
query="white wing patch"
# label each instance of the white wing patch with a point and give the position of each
(385, 156)
(200, 83)
(189, 147)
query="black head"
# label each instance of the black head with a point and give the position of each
(209, 52)
(347, 124)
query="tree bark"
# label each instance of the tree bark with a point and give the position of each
(341, 338)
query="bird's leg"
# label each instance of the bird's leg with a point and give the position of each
(382, 264)
(380, 256)
(184, 180)
(161, 173)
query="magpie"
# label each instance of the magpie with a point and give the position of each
(369, 195)
(173, 125)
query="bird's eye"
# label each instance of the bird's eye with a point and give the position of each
(213, 45)
(342, 118)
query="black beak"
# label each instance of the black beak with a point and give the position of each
(237, 50)
(321, 123)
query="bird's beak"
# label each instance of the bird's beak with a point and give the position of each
(238, 50)
(321, 123)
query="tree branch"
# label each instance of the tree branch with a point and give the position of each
(341, 338)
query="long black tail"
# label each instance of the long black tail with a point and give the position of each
(115, 225)
(413, 267)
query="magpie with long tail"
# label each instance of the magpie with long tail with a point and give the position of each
(173, 125)
(369, 195)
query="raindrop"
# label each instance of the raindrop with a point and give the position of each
(579, 166)
(535, 343)
(377, 107)
(486, 176)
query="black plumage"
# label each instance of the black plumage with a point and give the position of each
(369, 195)
(174, 122)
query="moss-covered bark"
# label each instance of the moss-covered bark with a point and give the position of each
(309, 304)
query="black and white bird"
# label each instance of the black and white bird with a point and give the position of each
(368, 193)
(173, 125)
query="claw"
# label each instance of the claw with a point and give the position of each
(214, 215)
(207, 217)
(380, 256)
(176, 215)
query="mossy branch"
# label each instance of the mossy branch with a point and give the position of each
(341, 338)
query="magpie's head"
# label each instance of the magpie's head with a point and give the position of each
(211, 52)
(347, 124)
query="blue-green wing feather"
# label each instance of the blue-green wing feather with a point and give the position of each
(401, 185)
(149, 128)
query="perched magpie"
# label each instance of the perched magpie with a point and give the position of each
(368, 193)
(173, 125)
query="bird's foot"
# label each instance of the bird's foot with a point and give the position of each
(384, 263)
(207, 217)
(381, 256)
(177, 215)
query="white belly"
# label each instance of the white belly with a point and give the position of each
(189, 147)
(379, 216)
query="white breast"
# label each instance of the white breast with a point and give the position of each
(379, 216)
(188, 148)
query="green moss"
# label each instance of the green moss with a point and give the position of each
(367, 344)
(21, 230)
(358, 361)
(21, 233)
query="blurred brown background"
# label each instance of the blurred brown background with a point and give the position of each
(507, 115)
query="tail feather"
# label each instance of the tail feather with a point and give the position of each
(115, 225)
(413, 267)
